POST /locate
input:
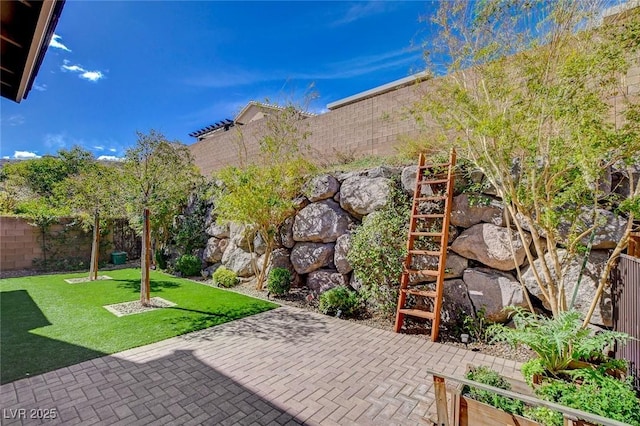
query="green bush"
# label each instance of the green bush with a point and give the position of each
(161, 259)
(224, 277)
(279, 281)
(490, 377)
(378, 250)
(189, 265)
(340, 301)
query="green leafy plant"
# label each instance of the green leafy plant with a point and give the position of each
(224, 277)
(557, 341)
(189, 265)
(476, 326)
(340, 301)
(279, 281)
(378, 250)
(490, 377)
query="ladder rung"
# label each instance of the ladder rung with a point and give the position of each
(433, 166)
(425, 252)
(429, 216)
(423, 293)
(425, 234)
(417, 313)
(431, 182)
(428, 272)
(431, 198)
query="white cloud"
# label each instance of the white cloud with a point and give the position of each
(109, 158)
(55, 140)
(5, 157)
(55, 42)
(14, 120)
(22, 155)
(84, 73)
(112, 149)
(92, 75)
(362, 10)
(40, 87)
(99, 148)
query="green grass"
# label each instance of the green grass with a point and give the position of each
(47, 324)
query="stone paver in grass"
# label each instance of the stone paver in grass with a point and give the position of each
(284, 366)
(135, 307)
(87, 279)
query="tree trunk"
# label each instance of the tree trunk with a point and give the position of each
(95, 248)
(263, 272)
(145, 295)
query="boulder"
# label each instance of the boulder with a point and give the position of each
(382, 171)
(218, 231)
(467, 211)
(323, 221)
(321, 187)
(408, 180)
(324, 279)
(493, 290)
(355, 283)
(455, 302)
(239, 260)
(300, 202)
(214, 250)
(259, 246)
(454, 268)
(307, 257)
(241, 235)
(603, 315)
(207, 272)
(610, 230)
(489, 245)
(280, 258)
(361, 195)
(343, 244)
(286, 232)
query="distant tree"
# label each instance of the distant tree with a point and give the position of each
(526, 101)
(158, 176)
(260, 194)
(95, 193)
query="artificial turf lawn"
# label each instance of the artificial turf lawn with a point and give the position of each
(47, 323)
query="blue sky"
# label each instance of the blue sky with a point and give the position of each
(115, 68)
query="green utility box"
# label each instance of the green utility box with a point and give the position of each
(118, 257)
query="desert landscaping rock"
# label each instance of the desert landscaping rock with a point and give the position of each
(408, 180)
(489, 245)
(308, 257)
(321, 188)
(207, 272)
(361, 195)
(286, 233)
(493, 290)
(218, 231)
(214, 250)
(467, 211)
(609, 231)
(135, 307)
(238, 260)
(323, 221)
(324, 279)
(454, 267)
(603, 314)
(343, 244)
(241, 236)
(259, 246)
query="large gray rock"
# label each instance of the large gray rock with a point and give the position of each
(325, 279)
(408, 180)
(493, 290)
(609, 231)
(343, 244)
(321, 187)
(307, 257)
(218, 231)
(454, 267)
(323, 221)
(239, 261)
(468, 211)
(489, 245)
(361, 195)
(455, 302)
(241, 236)
(286, 232)
(588, 284)
(214, 250)
(207, 272)
(259, 245)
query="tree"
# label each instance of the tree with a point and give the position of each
(526, 101)
(261, 194)
(159, 176)
(95, 193)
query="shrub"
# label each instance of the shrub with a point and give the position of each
(378, 250)
(189, 265)
(339, 301)
(224, 277)
(279, 281)
(161, 259)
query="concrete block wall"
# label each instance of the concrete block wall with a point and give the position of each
(19, 244)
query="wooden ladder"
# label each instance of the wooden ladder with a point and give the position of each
(422, 230)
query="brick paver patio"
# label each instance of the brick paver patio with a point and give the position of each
(285, 366)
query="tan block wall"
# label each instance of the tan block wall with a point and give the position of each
(19, 244)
